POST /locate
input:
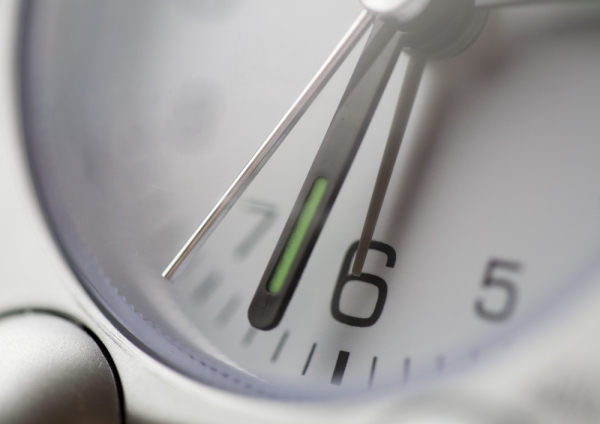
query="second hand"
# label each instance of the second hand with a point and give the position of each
(266, 150)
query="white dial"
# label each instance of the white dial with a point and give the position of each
(492, 213)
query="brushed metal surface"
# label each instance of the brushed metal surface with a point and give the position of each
(52, 370)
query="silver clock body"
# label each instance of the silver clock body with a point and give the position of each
(547, 374)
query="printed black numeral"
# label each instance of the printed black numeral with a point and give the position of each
(268, 214)
(491, 281)
(344, 277)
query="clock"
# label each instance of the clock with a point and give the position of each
(416, 241)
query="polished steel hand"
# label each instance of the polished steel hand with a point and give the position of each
(267, 149)
(410, 85)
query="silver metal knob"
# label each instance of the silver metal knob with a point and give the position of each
(53, 371)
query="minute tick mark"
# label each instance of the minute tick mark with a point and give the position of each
(372, 375)
(340, 368)
(208, 286)
(227, 312)
(249, 336)
(406, 370)
(280, 346)
(310, 355)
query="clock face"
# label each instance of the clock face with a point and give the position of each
(139, 114)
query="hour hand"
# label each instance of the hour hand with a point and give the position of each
(326, 176)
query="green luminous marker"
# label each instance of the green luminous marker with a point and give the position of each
(325, 177)
(293, 244)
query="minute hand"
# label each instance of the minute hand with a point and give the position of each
(412, 78)
(326, 176)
